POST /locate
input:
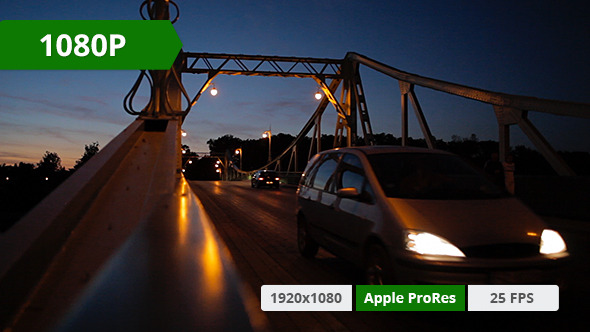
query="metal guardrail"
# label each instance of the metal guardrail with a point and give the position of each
(173, 274)
(123, 244)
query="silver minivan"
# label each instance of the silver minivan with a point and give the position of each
(419, 216)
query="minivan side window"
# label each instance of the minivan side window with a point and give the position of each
(352, 161)
(322, 178)
(310, 170)
(352, 175)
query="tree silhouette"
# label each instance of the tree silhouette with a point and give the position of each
(226, 142)
(50, 163)
(89, 152)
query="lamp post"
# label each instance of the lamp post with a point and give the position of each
(269, 135)
(189, 161)
(222, 167)
(239, 152)
(218, 165)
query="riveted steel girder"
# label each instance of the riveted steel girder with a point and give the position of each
(260, 65)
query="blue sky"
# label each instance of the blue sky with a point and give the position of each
(534, 48)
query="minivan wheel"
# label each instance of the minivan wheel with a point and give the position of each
(378, 267)
(307, 246)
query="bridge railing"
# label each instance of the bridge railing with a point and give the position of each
(122, 244)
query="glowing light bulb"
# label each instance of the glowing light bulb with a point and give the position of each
(214, 91)
(318, 95)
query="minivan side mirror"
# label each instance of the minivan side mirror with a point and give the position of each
(348, 193)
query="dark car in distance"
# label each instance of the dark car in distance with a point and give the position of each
(265, 178)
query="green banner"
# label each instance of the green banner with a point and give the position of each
(88, 44)
(410, 298)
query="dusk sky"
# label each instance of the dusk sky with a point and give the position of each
(533, 48)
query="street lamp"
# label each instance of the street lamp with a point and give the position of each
(239, 152)
(219, 165)
(189, 161)
(214, 91)
(318, 95)
(269, 135)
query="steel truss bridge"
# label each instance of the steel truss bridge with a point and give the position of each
(351, 106)
(124, 243)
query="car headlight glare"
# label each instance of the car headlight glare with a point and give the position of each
(551, 242)
(429, 244)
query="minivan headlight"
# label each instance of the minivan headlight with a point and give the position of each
(551, 242)
(429, 244)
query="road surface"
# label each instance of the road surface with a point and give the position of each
(258, 226)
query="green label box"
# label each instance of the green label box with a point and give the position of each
(76, 44)
(410, 298)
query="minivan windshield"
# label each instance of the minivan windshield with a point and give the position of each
(430, 176)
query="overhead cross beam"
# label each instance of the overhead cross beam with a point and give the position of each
(259, 65)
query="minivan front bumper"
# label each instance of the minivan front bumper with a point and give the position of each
(417, 269)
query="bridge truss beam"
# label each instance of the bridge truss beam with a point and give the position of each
(260, 65)
(328, 74)
(353, 101)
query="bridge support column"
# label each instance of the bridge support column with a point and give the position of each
(404, 89)
(408, 89)
(167, 85)
(507, 116)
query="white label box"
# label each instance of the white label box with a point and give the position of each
(306, 297)
(512, 298)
